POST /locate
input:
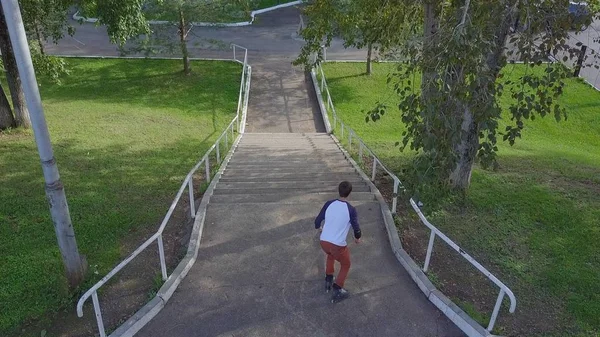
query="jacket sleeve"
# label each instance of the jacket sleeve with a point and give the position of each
(354, 222)
(321, 215)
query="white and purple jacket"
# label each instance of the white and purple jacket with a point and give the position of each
(339, 216)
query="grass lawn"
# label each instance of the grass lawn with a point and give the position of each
(535, 222)
(125, 134)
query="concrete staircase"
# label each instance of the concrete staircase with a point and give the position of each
(260, 269)
(287, 168)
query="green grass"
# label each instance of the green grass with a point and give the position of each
(535, 221)
(125, 134)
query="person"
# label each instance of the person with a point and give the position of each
(339, 215)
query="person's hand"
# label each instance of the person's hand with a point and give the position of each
(357, 241)
(320, 229)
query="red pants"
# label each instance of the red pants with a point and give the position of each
(340, 254)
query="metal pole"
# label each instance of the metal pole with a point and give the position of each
(580, 59)
(161, 255)
(207, 167)
(395, 202)
(374, 169)
(496, 310)
(59, 209)
(98, 314)
(429, 250)
(360, 151)
(192, 202)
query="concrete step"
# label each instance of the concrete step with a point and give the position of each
(289, 155)
(262, 169)
(355, 180)
(275, 148)
(329, 188)
(299, 164)
(327, 185)
(268, 176)
(286, 198)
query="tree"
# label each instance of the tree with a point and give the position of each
(359, 23)
(21, 114)
(452, 118)
(6, 117)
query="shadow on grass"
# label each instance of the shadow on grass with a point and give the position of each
(127, 81)
(111, 191)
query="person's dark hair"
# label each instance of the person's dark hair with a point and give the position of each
(345, 188)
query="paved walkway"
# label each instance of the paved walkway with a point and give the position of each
(260, 269)
(281, 99)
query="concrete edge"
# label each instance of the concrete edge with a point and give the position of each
(140, 57)
(78, 17)
(459, 317)
(322, 107)
(152, 308)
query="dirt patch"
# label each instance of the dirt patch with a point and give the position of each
(136, 284)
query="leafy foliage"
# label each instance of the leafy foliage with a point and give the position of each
(452, 118)
(360, 23)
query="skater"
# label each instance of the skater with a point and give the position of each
(339, 215)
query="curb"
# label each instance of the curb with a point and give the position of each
(78, 17)
(152, 308)
(140, 57)
(460, 318)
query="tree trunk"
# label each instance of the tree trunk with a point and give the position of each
(369, 59)
(460, 178)
(183, 42)
(40, 40)
(6, 117)
(12, 76)
(430, 28)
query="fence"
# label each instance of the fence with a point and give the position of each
(239, 120)
(346, 130)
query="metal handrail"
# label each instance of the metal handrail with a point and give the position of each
(361, 144)
(187, 183)
(504, 290)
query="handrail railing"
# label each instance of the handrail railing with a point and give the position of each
(187, 183)
(504, 290)
(352, 135)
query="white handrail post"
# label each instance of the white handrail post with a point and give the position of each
(395, 201)
(374, 169)
(192, 202)
(342, 128)
(98, 314)
(218, 151)
(226, 140)
(360, 151)
(207, 167)
(429, 250)
(161, 253)
(496, 310)
(350, 141)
